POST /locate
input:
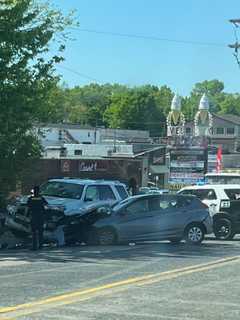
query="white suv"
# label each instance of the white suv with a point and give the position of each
(216, 197)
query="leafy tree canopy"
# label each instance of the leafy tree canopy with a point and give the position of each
(27, 77)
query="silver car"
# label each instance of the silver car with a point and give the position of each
(153, 217)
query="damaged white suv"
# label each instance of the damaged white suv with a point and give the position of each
(74, 195)
(69, 200)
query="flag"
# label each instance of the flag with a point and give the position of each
(219, 160)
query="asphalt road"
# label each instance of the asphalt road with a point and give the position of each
(145, 281)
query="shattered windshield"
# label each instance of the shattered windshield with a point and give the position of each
(62, 190)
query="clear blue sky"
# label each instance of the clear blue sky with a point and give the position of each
(138, 61)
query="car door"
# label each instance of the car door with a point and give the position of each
(134, 221)
(168, 217)
(208, 197)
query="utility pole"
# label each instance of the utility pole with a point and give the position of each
(236, 45)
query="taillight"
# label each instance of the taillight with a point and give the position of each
(225, 204)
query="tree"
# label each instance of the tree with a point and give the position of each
(230, 105)
(136, 109)
(26, 79)
(214, 91)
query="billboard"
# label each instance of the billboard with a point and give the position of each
(187, 166)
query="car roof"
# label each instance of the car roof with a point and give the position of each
(151, 195)
(86, 181)
(213, 186)
(223, 174)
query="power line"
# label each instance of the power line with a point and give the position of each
(153, 38)
(82, 75)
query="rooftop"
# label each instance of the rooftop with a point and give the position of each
(228, 117)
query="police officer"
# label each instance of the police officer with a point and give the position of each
(36, 206)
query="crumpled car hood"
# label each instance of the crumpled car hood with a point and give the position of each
(70, 206)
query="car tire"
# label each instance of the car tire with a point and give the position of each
(175, 240)
(106, 236)
(194, 234)
(223, 229)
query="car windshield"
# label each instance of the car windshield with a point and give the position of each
(62, 190)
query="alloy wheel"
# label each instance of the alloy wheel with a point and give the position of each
(195, 234)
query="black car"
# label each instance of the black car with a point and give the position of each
(226, 224)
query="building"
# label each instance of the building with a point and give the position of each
(225, 132)
(59, 134)
(71, 150)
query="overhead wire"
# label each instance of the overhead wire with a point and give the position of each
(147, 37)
(82, 75)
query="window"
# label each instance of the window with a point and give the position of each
(92, 194)
(77, 152)
(62, 190)
(97, 193)
(220, 131)
(205, 194)
(230, 131)
(202, 194)
(186, 192)
(106, 193)
(139, 206)
(188, 130)
(122, 192)
(159, 204)
(233, 194)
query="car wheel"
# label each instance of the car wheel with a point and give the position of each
(106, 236)
(223, 229)
(194, 234)
(175, 240)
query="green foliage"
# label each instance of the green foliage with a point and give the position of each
(137, 108)
(230, 104)
(26, 80)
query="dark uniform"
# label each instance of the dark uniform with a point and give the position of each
(36, 208)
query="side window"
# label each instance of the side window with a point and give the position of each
(184, 202)
(122, 192)
(233, 194)
(92, 194)
(187, 192)
(160, 204)
(106, 193)
(206, 194)
(139, 206)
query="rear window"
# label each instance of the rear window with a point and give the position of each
(122, 192)
(233, 194)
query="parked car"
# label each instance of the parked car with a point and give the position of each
(224, 206)
(226, 224)
(153, 217)
(216, 197)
